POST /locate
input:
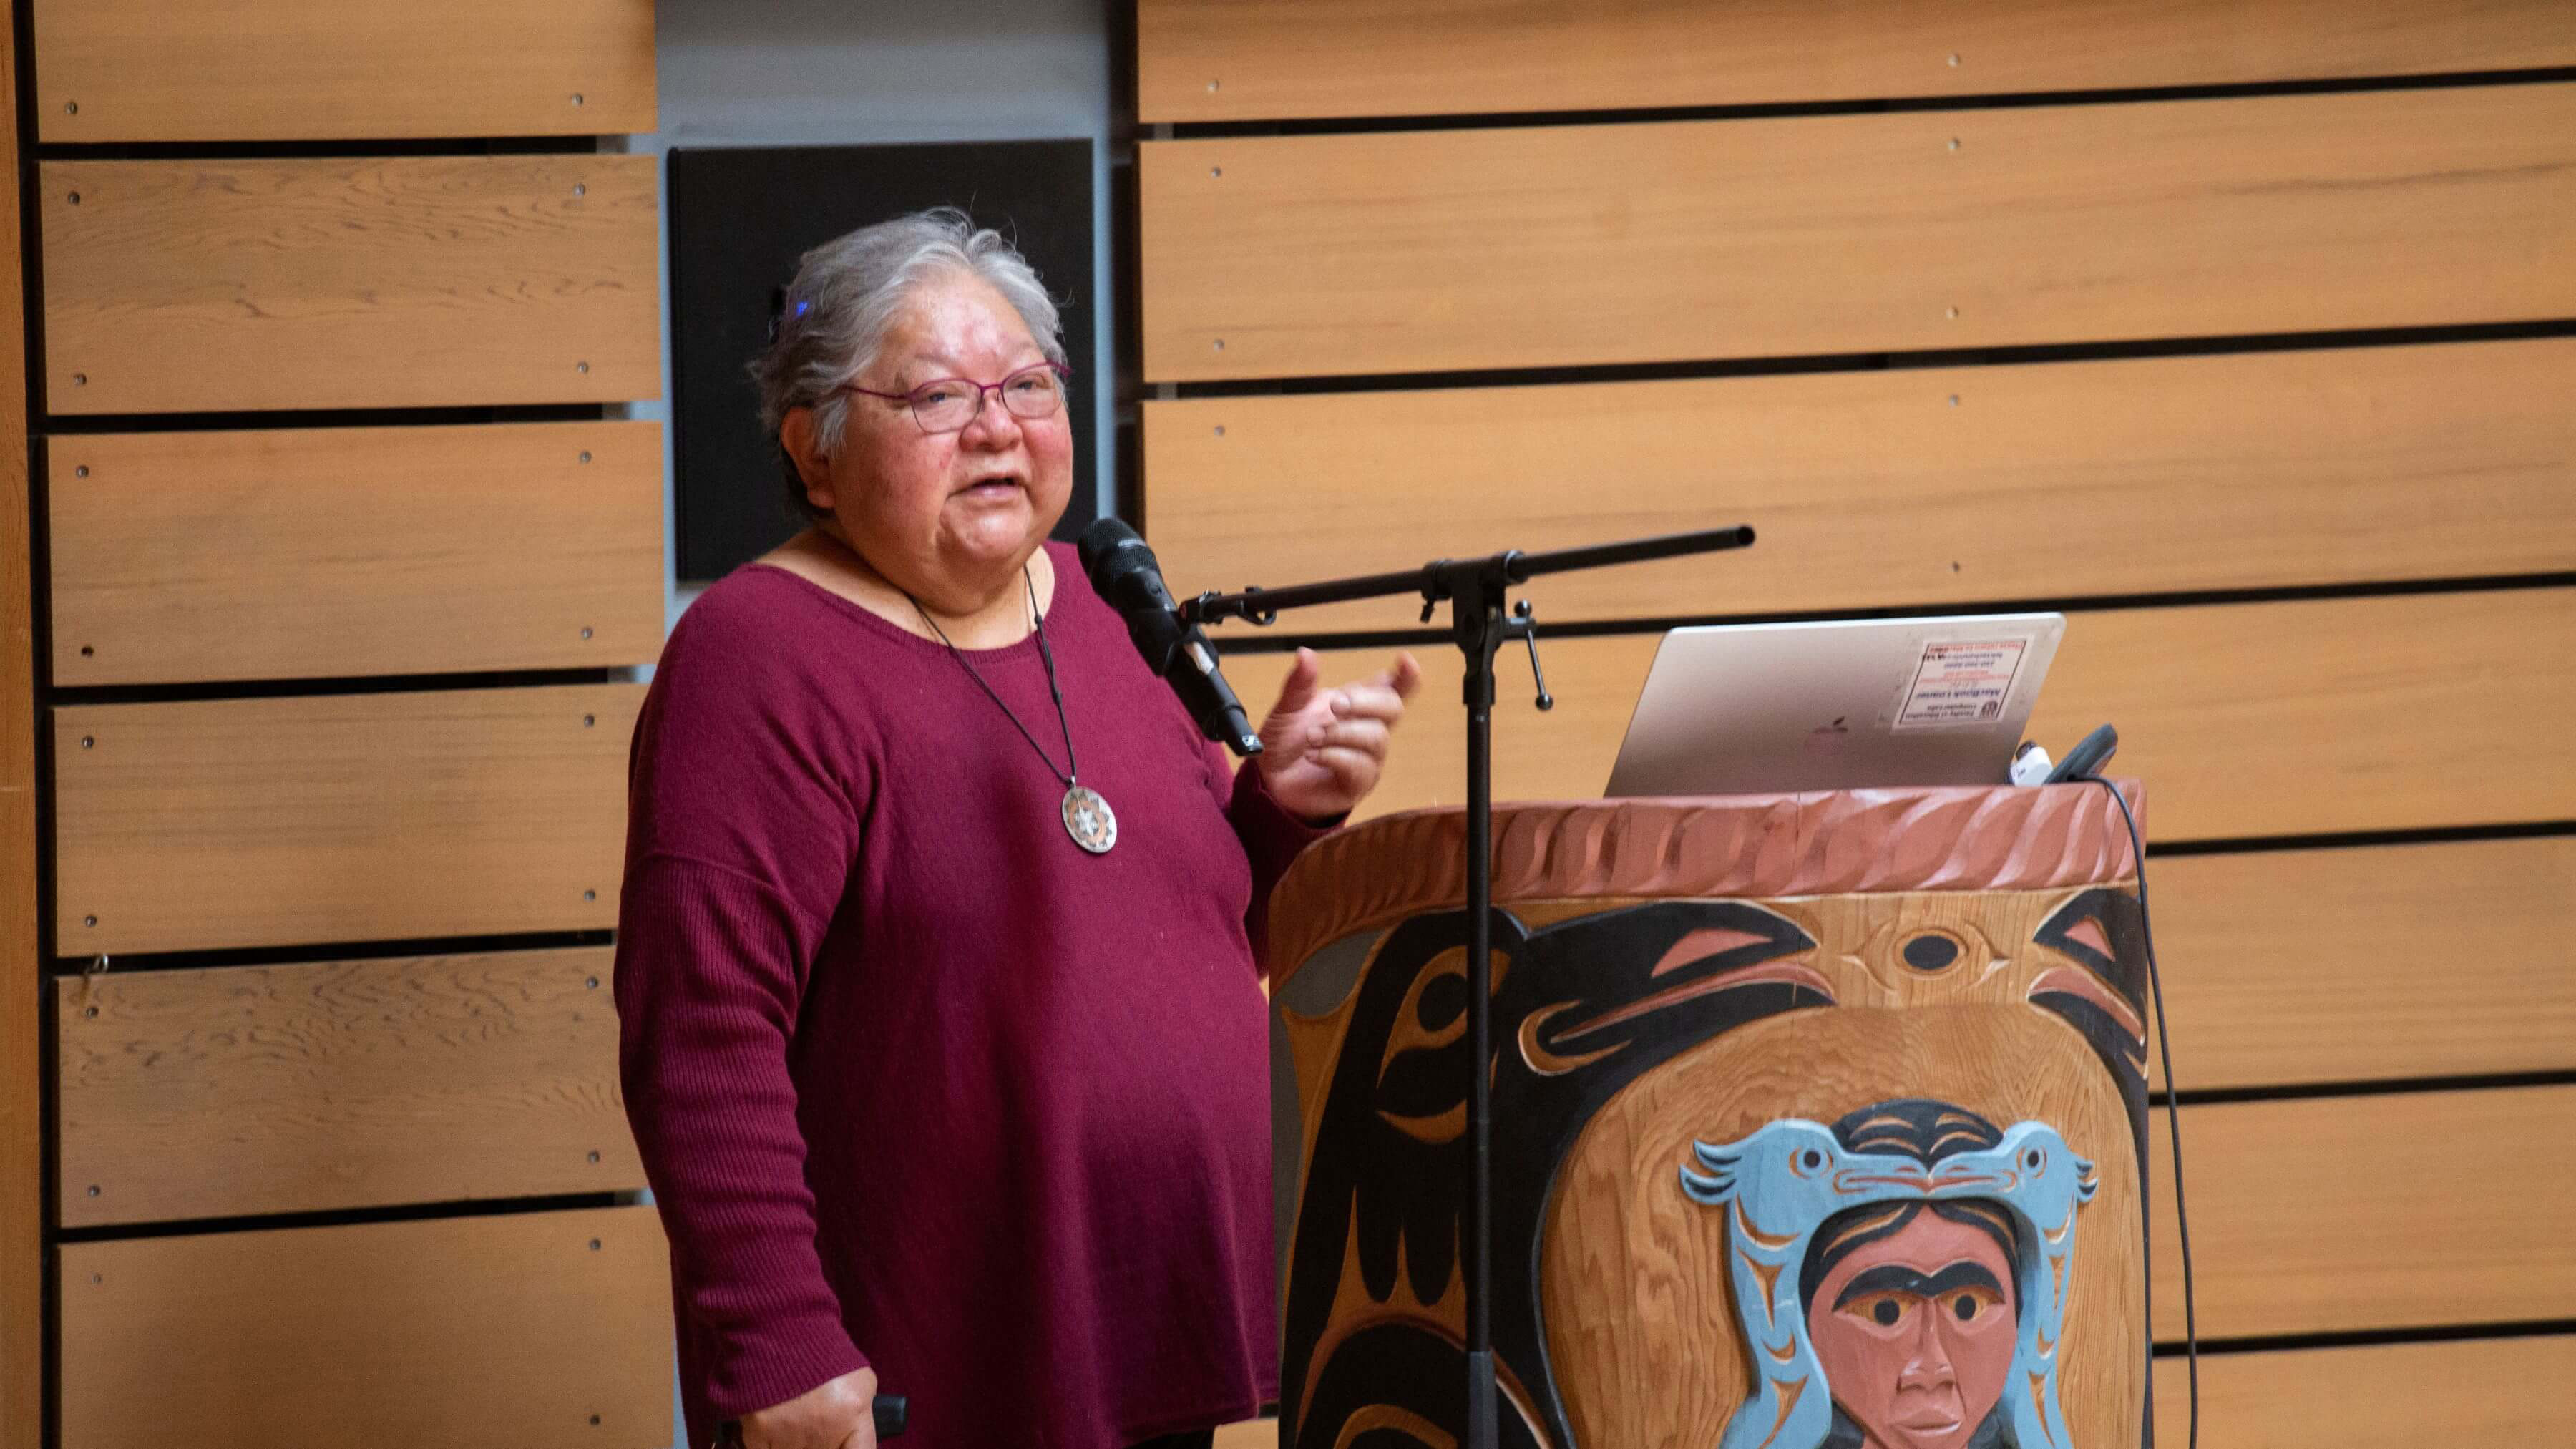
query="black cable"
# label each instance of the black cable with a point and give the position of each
(2173, 1116)
(1072, 766)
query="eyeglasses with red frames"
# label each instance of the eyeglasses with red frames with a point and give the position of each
(948, 404)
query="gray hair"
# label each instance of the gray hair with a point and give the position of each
(845, 298)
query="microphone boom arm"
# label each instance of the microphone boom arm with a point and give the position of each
(1448, 579)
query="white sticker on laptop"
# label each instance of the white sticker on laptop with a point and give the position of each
(1962, 683)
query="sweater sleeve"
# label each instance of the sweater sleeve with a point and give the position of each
(743, 824)
(1271, 839)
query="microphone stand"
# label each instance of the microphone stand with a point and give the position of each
(1475, 591)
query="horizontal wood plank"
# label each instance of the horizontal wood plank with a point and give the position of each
(350, 282)
(1914, 487)
(2328, 715)
(1228, 60)
(311, 70)
(337, 552)
(2346, 1214)
(2378, 1396)
(253, 822)
(1436, 250)
(348, 1084)
(2300, 967)
(528, 1328)
(2245, 720)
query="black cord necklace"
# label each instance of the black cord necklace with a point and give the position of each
(1087, 817)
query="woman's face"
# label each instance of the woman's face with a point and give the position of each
(948, 517)
(1916, 1333)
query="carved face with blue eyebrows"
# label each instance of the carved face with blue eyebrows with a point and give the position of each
(1913, 1315)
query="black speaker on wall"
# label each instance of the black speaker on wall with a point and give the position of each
(741, 216)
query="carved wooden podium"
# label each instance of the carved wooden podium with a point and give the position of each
(1817, 1120)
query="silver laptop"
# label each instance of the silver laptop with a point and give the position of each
(1748, 709)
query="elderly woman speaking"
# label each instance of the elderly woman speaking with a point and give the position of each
(943, 1085)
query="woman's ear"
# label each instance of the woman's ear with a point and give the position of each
(802, 443)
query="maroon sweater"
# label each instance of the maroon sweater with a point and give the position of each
(919, 1083)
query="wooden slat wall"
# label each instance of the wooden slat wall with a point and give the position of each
(350, 553)
(2247, 720)
(2341, 1214)
(1590, 244)
(213, 824)
(526, 1328)
(2287, 967)
(22, 1206)
(2380, 1396)
(337, 551)
(246, 1090)
(1881, 488)
(298, 70)
(1226, 60)
(415, 281)
(2309, 337)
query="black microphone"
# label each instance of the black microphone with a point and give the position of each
(1123, 571)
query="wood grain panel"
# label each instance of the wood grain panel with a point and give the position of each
(2382, 1396)
(2245, 720)
(221, 823)
(311, 70)
(22, 1156)
(2310, 966)
(273, 1089)
(2408, 1210)
(530, 1328)
(335, 282)
(1225, 60)
(347, 551)
(1551, 246)
(2327, 715)
(1879, 488)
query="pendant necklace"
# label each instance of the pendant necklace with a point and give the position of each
(1087, 817)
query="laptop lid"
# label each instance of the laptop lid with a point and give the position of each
(1749, 709)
